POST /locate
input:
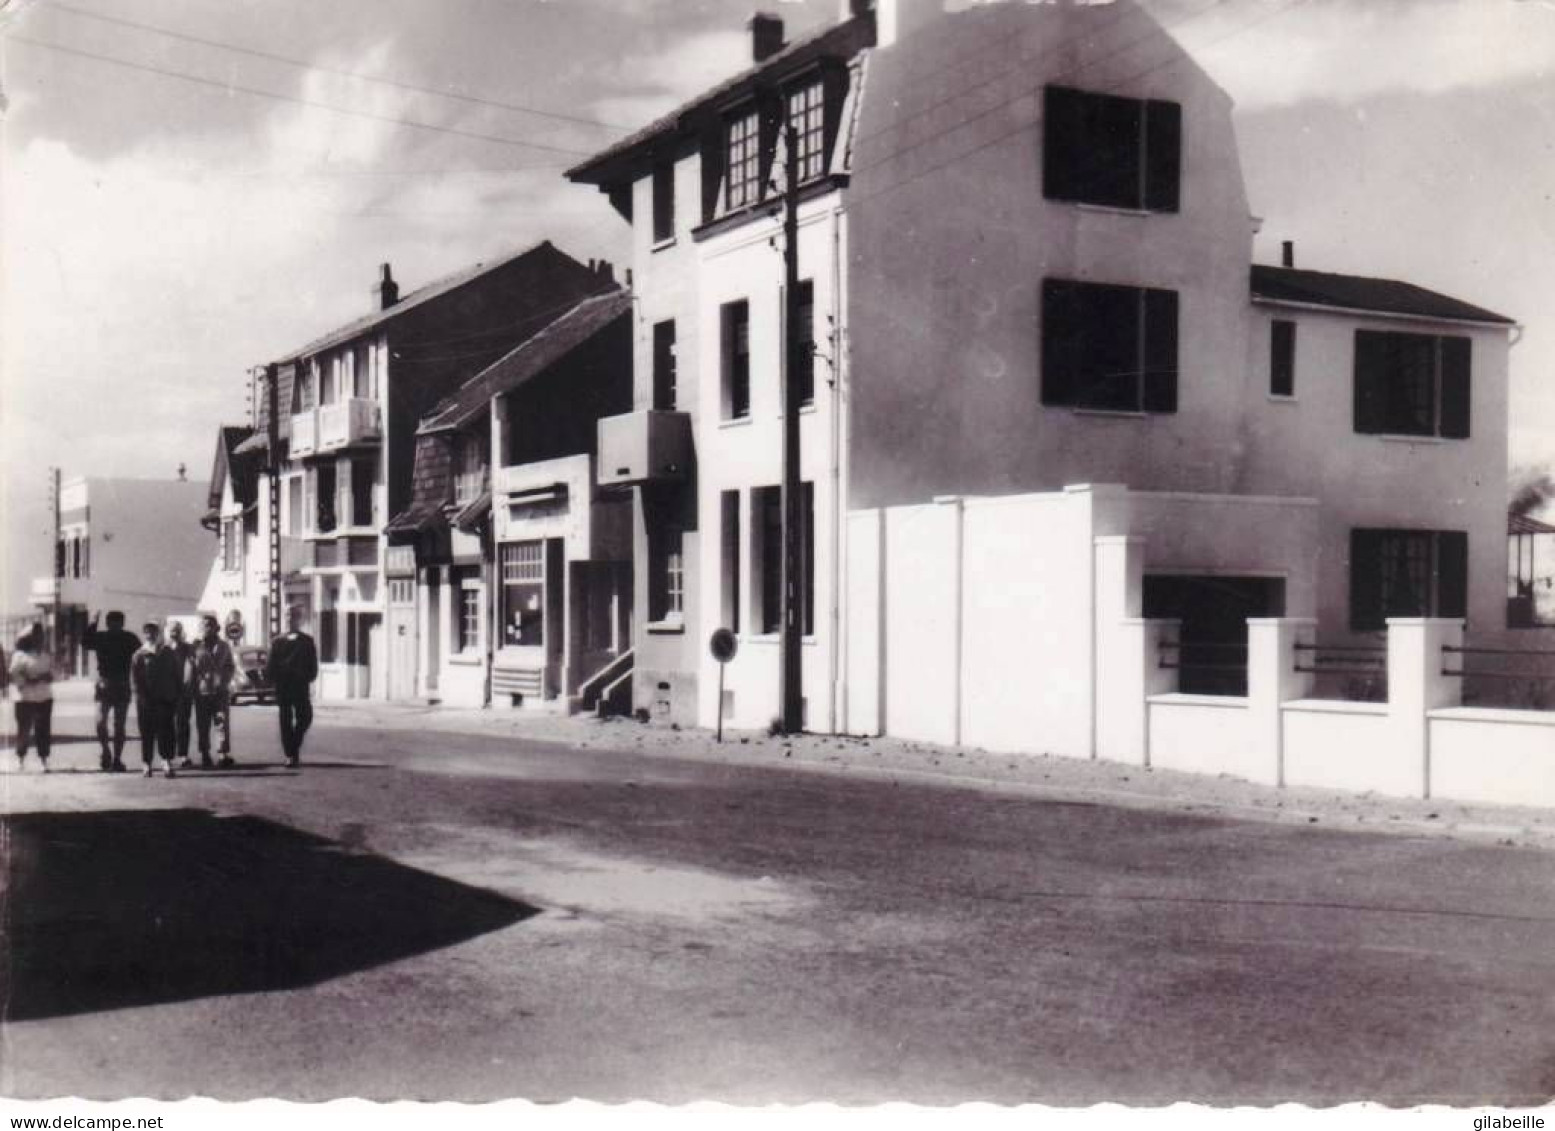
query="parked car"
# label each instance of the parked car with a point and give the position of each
(253, 675)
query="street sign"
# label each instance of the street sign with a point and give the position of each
(723, 645)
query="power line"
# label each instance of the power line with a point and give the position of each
(233, 88)
(358, 75)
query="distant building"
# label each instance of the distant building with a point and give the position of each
(349, 406)
(135, 545)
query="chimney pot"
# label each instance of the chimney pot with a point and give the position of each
(388, 289)
(1287, 253)
(766, 36)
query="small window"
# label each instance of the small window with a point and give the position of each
(807, 114)
(361, 370)
(664, 366)
(329, 636)
(324, 497)
(1282, 359)
(1412, 384)
(1407, 573)
(232, 545)
(469, 467)
(468, 624)
(666, 574)
(744, 160)
(663, 201)
(804, 362)
(523, 593)
(294, 507)
(1109, 347)
(363, 474)
(1107, 150)
(767, 555)
(736, 359)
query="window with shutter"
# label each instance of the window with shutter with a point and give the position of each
(1406, 573)
(1412, 384)
(1107, 150)
(1109, 347)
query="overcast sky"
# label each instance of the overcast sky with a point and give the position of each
(162, 234)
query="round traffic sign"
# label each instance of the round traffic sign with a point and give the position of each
(723, 645)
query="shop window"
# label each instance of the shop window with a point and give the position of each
(523, 593)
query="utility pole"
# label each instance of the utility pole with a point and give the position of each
(273, 463)
(792, 678)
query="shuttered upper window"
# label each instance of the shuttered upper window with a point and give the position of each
(1412, 384)
(1109, 347)
(1407, 573)
(1103, 149)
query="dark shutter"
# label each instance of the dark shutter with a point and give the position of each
(1062, 139)
(1452, 573)
(1366, 580)
(1163, 156)
(1160, 352)
(1371, 367)
(1456, 354)
(1062, 342)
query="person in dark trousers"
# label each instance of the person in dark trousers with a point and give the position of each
(32, 674)
(294, 665)
(158, 682)
(183, 710)
(115, 648)
(213, 671)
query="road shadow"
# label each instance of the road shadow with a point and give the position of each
(110, 910)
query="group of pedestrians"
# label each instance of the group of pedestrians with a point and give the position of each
(172, 683)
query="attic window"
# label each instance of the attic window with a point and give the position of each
(807, 114)
(744, 164)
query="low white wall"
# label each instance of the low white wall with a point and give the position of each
(462, 682)
(1333, 744)
(1496, 756)
(922, 603)
(1203, 734)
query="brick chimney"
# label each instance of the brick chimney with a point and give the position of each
(766, 36)
(387, 289)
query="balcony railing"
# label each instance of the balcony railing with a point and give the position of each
(305, 433)
(644, 447)
(351, 421)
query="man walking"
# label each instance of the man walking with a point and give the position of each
(213, 671)
(294, 665)
(158, 682)
(115, 648)
(183, 652)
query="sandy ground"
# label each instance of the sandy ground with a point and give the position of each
(1034, 774)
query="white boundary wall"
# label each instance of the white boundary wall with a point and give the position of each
(1013, 624)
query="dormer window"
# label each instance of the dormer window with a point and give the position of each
(807, 114)
(744, 160)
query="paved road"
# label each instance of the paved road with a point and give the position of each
(461, 917)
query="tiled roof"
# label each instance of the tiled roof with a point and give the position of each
(411, 301)
(431, 488)
(1522, 524)
(1357, 292)
(837, 40)
(529, 360)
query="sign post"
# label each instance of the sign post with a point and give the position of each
(723, 646)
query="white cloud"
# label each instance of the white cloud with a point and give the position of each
(664, 79)
(1274, 53)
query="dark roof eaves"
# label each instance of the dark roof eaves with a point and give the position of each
(1301, 289)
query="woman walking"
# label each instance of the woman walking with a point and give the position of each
(32, 677)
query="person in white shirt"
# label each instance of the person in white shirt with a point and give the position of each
(32, 675)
